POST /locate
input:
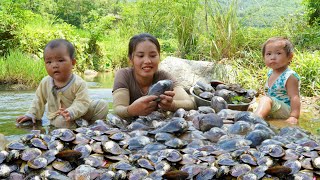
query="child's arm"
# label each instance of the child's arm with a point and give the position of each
(37, 107)
(80, 105)
(293, 93)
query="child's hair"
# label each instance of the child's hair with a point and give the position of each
(57, 42)
(288, 45)
(135, 40)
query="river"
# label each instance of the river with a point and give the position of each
(16, 103)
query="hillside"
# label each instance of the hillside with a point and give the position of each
(267, 12)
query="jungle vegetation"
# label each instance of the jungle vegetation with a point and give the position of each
(227, 32)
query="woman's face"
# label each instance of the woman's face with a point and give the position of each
(145, 59)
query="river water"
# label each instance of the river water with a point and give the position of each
(16, 103)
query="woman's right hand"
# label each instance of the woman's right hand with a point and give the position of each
(143, 106)
(22, 119)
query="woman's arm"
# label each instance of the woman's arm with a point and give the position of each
(141, 107)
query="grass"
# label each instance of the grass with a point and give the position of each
(19, 68)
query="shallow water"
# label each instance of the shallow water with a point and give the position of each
(16, 103)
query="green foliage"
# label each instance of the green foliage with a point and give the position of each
(313, 11)
(185, 24)
(307, 65)
(224, 28)
(20, 68)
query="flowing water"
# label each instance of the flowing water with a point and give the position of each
(16, 103)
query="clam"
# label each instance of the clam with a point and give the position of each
(214, 134)
(207, 173)
(50, 155)
(290, 154)
(265, 161)
(39, 143)
(240, 169)
(257, 136)
(294, 165)
(52, 174)
(55, 145)
(304, 174)
(100, 125)
(138, 142)
(95, 160)
(116, 121)
(119, 136)
(30, 153)
(176, 143)
(85, 149)
(188, 159)
(180, 113)
(306, 163)
(81, 139)
(13, 155)
(278, 171)
(249, 159)
(81, 122)
(69, 155)
(112, 148)
(206, 95)
(3, 156)
(160, 87)
(222, 171)
(218, 103)
(145, 163)
(162, 166)
(163, 136)
(205, 122)
(204, 86)
(122, 165)
(38, 163)
(173, 155)
(63, 166)
(175, 125)
(16, 146)
(120, 174)
(227, 95)
(97, 147)
(249, 117)
(176, 175)
(5, 170)
(259, 171)
(137, 125)
(64, 134)
(152, 147)
(240, 127)
(17, 176)
(138, 173)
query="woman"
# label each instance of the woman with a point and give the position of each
(131, 85)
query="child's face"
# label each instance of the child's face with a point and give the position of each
(276, 57)
(58, 63)
(145, 59)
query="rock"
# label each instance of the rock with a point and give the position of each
(194, 71)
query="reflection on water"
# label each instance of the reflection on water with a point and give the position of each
(16, 103)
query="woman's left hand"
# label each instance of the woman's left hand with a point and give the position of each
(166, 101)
(292, 120)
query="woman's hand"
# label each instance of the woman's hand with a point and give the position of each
(143, 106)
(22, 119)
(166, 101)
